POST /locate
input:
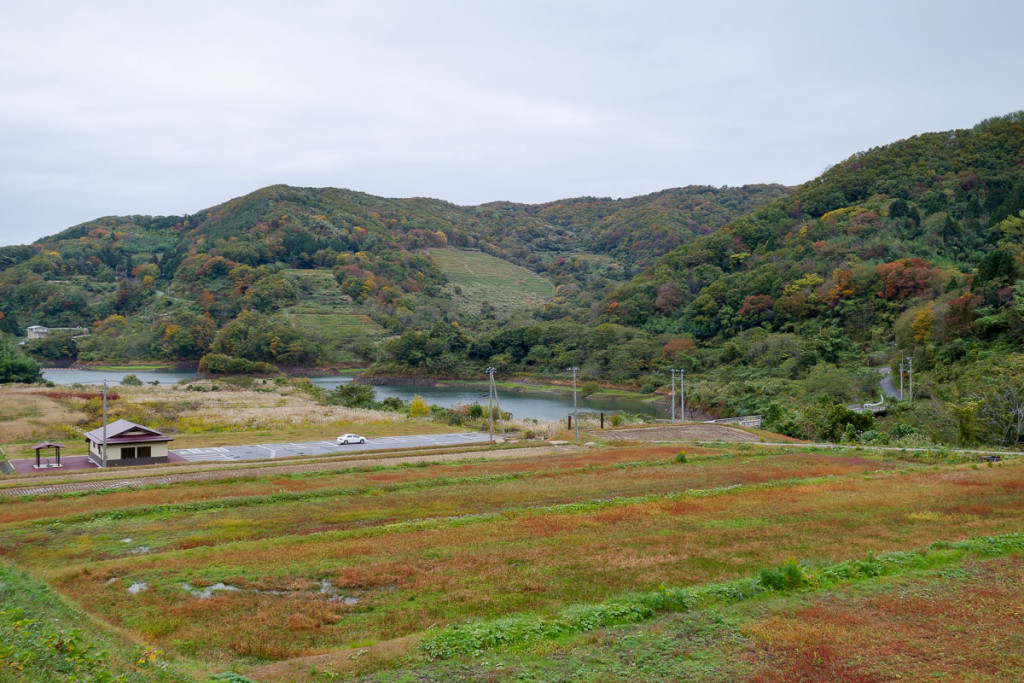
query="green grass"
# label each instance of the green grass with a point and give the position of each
(913, 607)
(482, 278)
(43, 638)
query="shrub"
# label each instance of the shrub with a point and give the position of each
(220, 364)
(393, 404)
(788, 576)
(418, 407)
(874, 438)
(902, 430)
(681, 456)
(647, 388)
(839, 421)
(352, 395)
(476, 411)
(616, 419)
(229, 677)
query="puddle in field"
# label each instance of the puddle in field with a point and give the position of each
(138, 587)
(209, 590)
(326, 589)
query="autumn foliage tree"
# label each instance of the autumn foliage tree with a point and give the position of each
(907, 278)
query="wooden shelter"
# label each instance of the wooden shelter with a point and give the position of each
(47, 444)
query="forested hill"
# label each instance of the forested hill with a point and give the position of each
(265, 253)
(930, 224)
(916, 247)
(633, 231)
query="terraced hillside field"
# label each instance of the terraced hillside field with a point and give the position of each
(477, 278)
(323, 307)
(623, 563)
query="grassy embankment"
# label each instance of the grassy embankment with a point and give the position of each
(315, 564)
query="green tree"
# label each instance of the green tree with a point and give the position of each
(53, 347)
(16, 366)
(352, 395)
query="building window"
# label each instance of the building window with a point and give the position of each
(127, 452)
(145, 451)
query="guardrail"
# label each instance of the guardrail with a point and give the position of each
(876, 408)
(745, 421)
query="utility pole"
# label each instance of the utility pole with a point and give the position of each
(910, 360)
(104, 453)
(490, 408)
(497, 403)
(901, 374)
(575, 414)
(492, 404)
(673, 371)
(682, 397)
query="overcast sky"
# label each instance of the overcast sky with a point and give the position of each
(171, 107)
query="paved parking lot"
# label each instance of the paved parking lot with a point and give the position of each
(267, 451)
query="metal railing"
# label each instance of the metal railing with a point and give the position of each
(745, 421)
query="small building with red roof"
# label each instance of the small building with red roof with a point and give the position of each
(127, 443)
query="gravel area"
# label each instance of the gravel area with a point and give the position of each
(693, 432)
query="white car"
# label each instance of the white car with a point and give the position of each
(350, 438)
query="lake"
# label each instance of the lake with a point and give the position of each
(65, 376)
(539, 405)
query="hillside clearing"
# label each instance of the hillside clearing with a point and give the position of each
(482, 278)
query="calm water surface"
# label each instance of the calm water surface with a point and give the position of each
(113, 377)
(539, 405)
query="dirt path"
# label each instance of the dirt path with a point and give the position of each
(228, 472)
(690, 432)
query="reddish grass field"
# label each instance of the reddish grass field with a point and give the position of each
(971, 622)
(370, 556)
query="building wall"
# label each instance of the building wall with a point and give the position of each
(158, 454)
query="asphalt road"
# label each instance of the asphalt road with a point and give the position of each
(268, 451)
(888, 386)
